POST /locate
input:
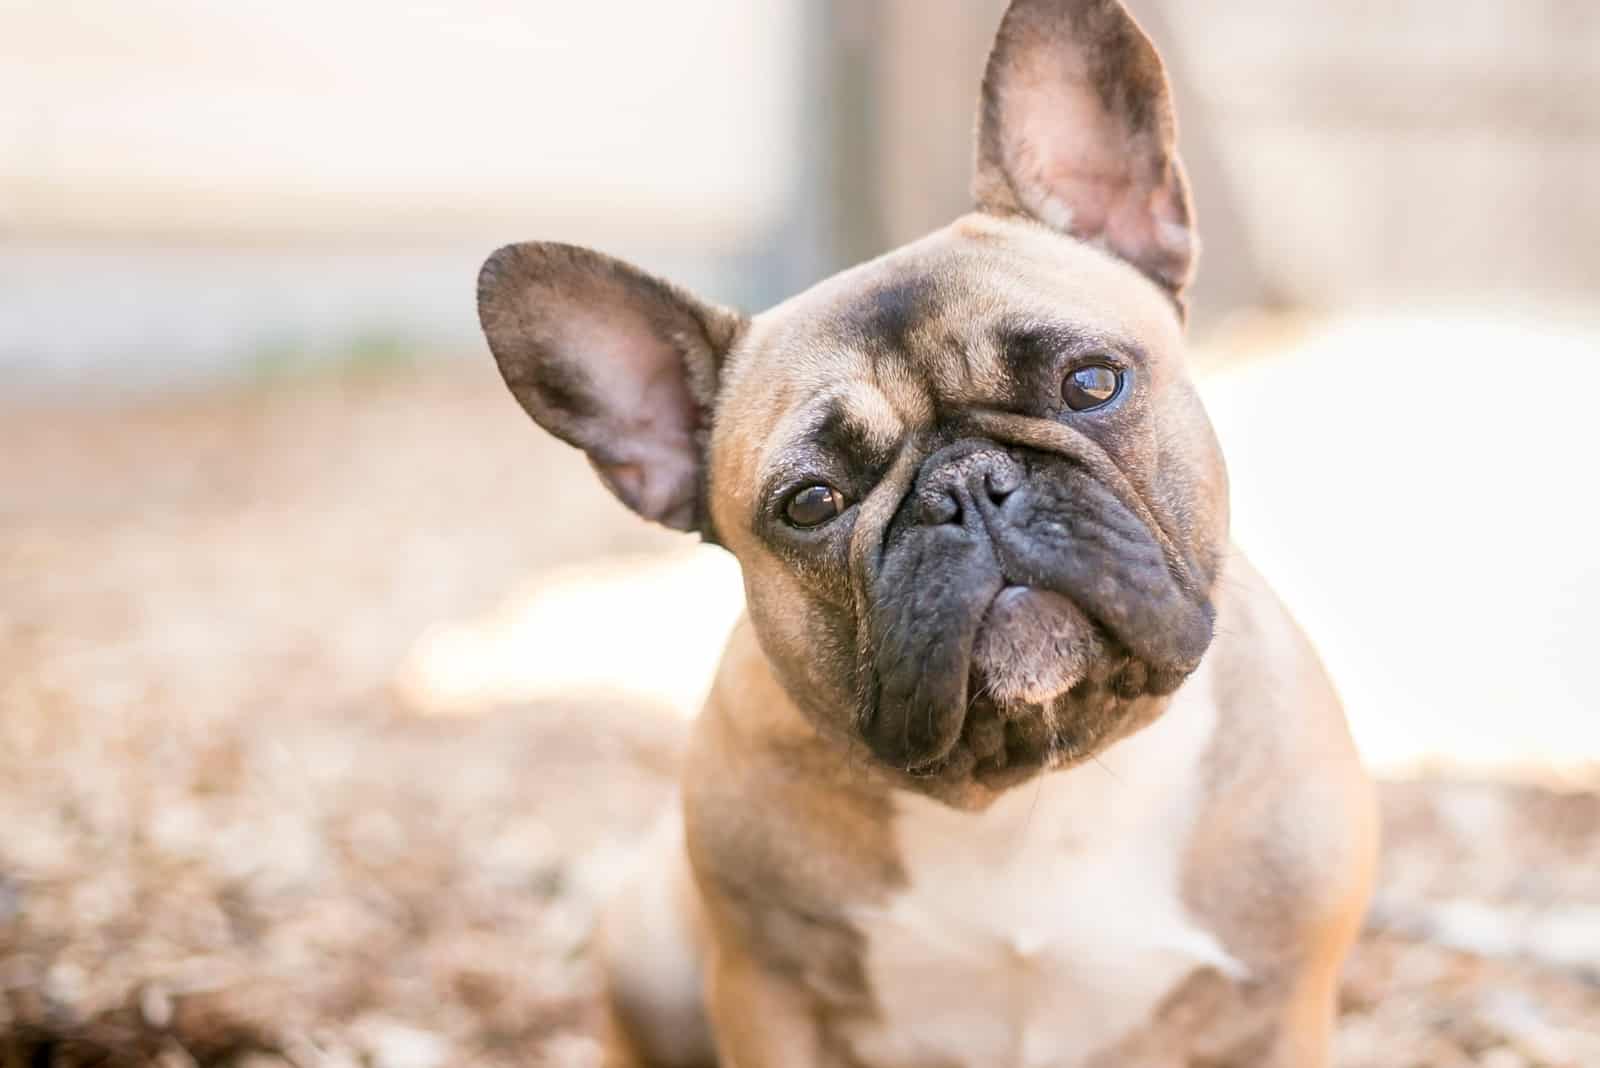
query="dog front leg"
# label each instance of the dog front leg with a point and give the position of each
(760, 1020)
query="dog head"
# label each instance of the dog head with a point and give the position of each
(978, 506)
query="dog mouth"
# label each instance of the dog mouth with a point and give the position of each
(1049, 687)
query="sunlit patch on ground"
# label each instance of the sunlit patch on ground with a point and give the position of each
(642, 629)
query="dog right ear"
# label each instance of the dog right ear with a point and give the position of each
(1076, 129)
(615, 361)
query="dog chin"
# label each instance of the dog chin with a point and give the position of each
(1033, 646)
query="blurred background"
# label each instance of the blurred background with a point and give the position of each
(333, 696)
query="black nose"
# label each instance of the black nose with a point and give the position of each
(954, 478)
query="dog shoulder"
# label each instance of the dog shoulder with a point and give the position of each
(1284, 859)
(786, 837)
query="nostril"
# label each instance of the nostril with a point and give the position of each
(1002, 484)
(936, 509)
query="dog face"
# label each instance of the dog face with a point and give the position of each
(977, 504)
(976, 500)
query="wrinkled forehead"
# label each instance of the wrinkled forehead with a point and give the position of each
(973, 316)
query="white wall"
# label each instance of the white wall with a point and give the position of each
(250, 118)
(195, 188)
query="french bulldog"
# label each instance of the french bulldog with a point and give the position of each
(1013, 759)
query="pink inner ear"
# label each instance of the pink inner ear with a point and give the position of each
(612, 360)
(1079, 171)
(1066, 158)
(640, 421)
(660, 488)
(1078, 134)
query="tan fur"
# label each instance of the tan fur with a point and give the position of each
(789, 823)
(787, 834)
(834, 892)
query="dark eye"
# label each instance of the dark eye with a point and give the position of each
(814, 506)
(1092, 386)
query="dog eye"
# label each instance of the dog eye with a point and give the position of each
(813, 506)
(1092, 386)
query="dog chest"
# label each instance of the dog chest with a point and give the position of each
(1049, 926)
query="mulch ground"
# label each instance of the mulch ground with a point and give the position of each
(226, 840)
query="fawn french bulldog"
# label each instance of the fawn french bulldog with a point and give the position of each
(1014, 760)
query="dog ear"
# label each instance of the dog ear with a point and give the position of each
(617, 362)
(1076, 129)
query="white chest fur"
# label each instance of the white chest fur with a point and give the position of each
(1049, 926)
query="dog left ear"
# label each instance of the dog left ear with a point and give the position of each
(615, 361)
(1076, 129)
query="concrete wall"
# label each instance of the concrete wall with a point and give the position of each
(1411, 148)
(191, 188)
(1368, 152)
(188, 184)
(397, 121)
